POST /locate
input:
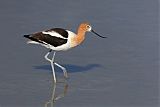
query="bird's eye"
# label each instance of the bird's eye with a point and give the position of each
(88, 26)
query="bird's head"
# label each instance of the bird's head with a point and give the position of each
(86, 27)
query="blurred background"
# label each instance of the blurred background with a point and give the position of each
(120, 71)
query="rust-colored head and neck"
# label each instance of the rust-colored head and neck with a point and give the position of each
(82, 29)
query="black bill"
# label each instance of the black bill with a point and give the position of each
(98, 34)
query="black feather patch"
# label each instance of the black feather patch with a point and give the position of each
(46, 39)
(33, 39)
(54, 41)
(60, 31)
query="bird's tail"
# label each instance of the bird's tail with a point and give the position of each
(27, 36)
(31, 39)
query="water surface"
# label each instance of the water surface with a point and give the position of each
(120, 71)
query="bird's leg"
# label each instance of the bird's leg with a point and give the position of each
(64, 70)
(46, 56)
(52, 63)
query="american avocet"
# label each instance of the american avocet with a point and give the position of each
(59, 39)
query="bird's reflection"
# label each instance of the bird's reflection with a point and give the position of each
(55, 95)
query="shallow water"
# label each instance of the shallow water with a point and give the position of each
(120, 71)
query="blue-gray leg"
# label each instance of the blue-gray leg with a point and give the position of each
(52, 63)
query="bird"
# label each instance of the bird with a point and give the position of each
(60, 39)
